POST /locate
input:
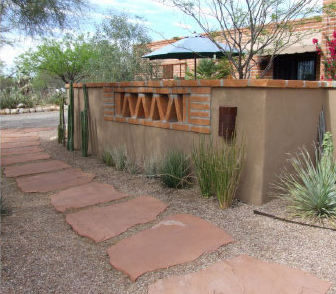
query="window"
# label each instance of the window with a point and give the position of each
(295, 67)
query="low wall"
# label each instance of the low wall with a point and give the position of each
(149, 118)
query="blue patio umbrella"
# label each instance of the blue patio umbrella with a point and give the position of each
(190, 48)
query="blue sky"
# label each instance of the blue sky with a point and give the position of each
(163, 22)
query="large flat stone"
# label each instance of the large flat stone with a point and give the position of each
(24, 158)
(54, 181)
(19, 144)
(102, 223)
(35, 168)
(20, 150)
(19, 134)
(242, 275)
(19, 139)
(175, 240)
(85, 195)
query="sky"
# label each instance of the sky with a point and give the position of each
(162, 22)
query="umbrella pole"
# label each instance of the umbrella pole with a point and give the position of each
(195, 65)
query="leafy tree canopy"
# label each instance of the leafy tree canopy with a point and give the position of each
(37, 17)
(66, 59)
(119, 45)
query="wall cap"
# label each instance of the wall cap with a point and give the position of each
(223, 83)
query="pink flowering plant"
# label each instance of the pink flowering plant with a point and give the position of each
(329, 59)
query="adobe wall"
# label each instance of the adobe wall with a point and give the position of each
(277, 117)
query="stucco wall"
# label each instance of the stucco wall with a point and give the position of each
(275, 122)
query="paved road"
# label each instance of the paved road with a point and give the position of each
(30, 120)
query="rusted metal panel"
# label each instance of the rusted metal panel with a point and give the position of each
(227, 121)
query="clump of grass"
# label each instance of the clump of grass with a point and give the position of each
(218, 169)
(204, 167)
(175, 170)
(132, 166)
(4, 209)
(151, 167)
(120, 158)
(108, 158)
(310, 188)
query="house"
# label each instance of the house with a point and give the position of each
(300, 61)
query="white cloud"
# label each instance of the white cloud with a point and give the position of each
(182, 25)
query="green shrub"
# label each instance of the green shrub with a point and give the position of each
(107, 158)
(310, 189)
(151, 167)
(132, 166)
(175, 170)
(218, 169)
(203, 157)
(120, 158)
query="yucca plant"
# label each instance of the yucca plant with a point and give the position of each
(310, 189)
(175, 170)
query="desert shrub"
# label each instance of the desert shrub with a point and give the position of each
(203, 157)
(11, 98)
(218, 169)
(132, 165)
(120, 158)
(151, 167)
(175, 170)
(107, 158)
(310, 188)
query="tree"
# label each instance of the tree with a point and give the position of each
(66, 59)
(37, 17)
(249, 27)
(120, 44)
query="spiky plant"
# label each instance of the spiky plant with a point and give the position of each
(175, 170)
(310, 189)
(218, 168)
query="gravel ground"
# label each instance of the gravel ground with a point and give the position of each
(41, 253)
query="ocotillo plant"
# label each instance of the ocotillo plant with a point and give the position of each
(70, 145)
(84, 121)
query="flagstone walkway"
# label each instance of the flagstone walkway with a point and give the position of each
(177, 239)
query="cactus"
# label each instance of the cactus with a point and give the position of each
(84, 122)
(70, 143)
(61, 130)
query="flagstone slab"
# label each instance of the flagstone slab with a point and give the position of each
(54, 181)
(175, 240)
(242, 275)
(23, 158)
(103, 223)
(19, 134)
(19, 139)
(20, 150)
(19, 144)
(85, 195)
(35, 168)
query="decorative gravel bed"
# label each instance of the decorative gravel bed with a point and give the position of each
(42, 254)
